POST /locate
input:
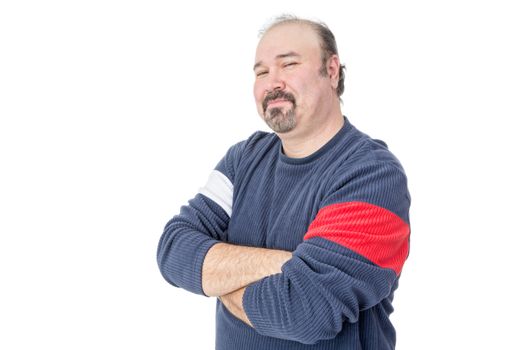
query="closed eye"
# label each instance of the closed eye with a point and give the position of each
(290, 64)
(261, 73)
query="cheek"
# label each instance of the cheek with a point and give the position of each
(258, 94)
(257, 91)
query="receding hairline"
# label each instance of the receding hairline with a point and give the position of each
(325, 37)
(289, 19)
(285, 21)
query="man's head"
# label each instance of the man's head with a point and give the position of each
(299, 79)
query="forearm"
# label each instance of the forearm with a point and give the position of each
(324, 285)
(229, 267)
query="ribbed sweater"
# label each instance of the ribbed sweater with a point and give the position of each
(344, 213)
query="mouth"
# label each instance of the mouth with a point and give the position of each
(277, 98)
(277, 102)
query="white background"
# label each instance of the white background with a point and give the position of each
(113, 113)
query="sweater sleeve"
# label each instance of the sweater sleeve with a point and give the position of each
(201, 223)
(349, 260)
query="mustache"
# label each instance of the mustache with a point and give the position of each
(277, 95)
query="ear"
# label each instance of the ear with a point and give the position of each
(332, 67)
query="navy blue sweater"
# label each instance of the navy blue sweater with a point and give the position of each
(342, 211)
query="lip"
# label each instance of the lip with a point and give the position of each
(277, 102)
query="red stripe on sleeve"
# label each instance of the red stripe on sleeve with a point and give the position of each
(371, 231)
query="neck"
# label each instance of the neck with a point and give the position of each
(300, 145)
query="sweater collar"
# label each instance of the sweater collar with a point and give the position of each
(321, 151)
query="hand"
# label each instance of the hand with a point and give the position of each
(233, 302)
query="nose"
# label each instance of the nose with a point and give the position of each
(275, 82)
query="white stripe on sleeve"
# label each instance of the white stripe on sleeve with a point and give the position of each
(220, 190)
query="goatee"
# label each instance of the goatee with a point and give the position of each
(279, 119)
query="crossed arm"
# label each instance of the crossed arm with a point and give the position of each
(228, 269)
(276, 289)
(349, 261)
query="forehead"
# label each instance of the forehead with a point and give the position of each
(288, 37)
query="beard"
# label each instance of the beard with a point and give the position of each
(279, 119)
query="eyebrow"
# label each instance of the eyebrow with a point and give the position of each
(283, 55)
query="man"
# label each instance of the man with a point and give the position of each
(301, 233)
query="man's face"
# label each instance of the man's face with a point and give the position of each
(289, 90)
